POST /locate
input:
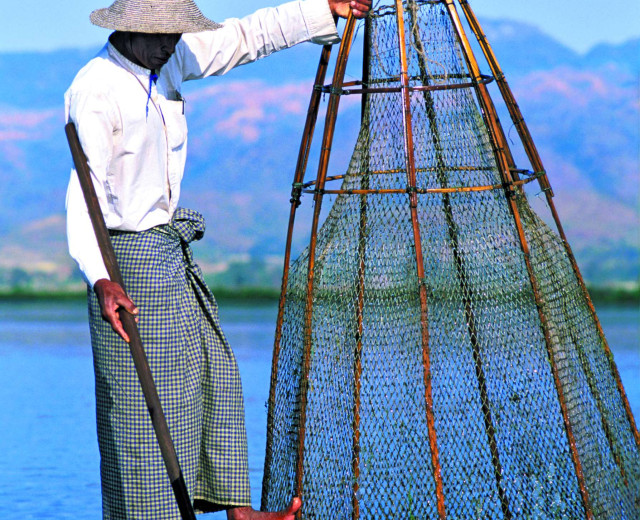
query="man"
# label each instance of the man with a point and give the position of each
(129, 113)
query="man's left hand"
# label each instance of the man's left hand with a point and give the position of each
(341, 8)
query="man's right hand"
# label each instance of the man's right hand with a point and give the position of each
(112, 297)
(341, 8)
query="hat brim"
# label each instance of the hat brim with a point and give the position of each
(116, 21)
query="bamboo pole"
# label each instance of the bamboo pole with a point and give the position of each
(422, 191)
(536, 163)
(149, 390)
(512, 106)
(502, 157)
(357, 365)
(301, 166)
(413, 206)
(532, 177)
(362, 241)
(390, 90)
(461, 271)
(330, 122)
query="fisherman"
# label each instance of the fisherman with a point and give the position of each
(128, 109)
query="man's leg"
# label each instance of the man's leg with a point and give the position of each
(133, 476)
(223, 476)
(134, 479)
(223, 480)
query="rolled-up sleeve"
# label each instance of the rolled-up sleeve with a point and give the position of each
(248, 39)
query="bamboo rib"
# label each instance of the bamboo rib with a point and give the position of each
(502, 157)
(455, 189)
(512, 106)
(358, 354)
(362, 237)
(399, 170)
(461, 271)
(330, 122)
(536, 162)
(301, 166)
(413, 204)
(387, 90)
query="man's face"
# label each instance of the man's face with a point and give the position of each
(153, 50)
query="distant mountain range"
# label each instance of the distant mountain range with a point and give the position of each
(244, 132)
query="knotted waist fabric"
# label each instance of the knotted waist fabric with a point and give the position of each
(194, 370)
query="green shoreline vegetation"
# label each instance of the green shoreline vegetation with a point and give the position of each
(253, 294)
(599, 295)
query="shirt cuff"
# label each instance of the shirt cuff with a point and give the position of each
(320, 22)
(94, 276)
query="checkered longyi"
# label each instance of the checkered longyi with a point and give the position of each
(195, 372)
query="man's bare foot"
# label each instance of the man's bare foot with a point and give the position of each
(247, 513)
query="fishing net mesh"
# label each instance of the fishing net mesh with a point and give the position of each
(499, 429)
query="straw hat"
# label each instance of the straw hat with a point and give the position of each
(153, 16)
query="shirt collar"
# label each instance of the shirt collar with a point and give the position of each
(140, 72)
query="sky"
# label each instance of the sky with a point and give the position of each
(43, 25)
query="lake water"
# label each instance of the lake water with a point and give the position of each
(49, 462)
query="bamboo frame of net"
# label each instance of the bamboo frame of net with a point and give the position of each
(511, 185)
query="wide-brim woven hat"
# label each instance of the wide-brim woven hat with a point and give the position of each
(153, 16)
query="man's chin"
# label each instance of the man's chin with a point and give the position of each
(157, 64)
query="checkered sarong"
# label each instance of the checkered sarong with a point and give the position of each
(195, 372)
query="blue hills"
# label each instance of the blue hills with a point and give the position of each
(244, 133)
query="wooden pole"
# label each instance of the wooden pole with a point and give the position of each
(128, 321)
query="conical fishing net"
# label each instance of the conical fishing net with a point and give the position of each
(482, 389)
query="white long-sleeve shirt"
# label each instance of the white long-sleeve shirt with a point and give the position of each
(135, 143)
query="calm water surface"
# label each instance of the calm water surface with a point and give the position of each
(49, 463)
